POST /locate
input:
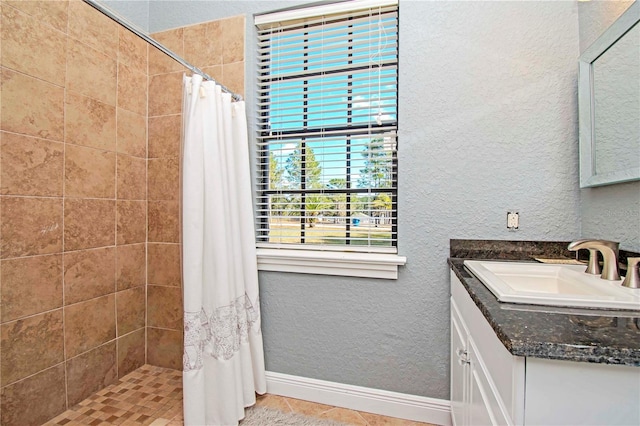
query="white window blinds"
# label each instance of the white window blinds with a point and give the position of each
(327, 121)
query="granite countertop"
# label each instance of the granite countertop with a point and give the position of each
(587, 335)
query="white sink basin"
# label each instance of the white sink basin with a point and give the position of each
(552, 284)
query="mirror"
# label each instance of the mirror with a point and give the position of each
(609, 101)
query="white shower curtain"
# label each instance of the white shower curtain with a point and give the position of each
(223, 354)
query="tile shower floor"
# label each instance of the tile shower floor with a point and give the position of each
(153, 396)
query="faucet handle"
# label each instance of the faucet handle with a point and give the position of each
(594, 266)
(632, 280)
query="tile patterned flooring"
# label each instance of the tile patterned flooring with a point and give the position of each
(153, 396)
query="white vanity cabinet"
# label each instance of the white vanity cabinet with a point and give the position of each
(490, 386)
(484, 376)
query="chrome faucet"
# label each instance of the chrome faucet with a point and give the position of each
(609, 250)
(632, 280)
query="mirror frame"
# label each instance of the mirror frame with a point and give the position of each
(588, 176)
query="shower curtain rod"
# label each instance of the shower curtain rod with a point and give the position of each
(159, 46)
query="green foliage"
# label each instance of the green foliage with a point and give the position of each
(377, 173)
(382, 202)
(303, 158)
(336, 183)
(275, 172)
(378, 166)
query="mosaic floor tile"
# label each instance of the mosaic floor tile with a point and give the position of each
(153, 396)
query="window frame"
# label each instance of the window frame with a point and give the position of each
(350, 260)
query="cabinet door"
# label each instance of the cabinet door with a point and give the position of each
(479, 400)
(459, 368)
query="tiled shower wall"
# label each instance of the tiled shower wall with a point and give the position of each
(216, 47)
(73, 212)
(89, 220)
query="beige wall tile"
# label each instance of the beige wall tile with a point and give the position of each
(40, 115)
(130, 305)
(163, 221)
(165, 136)
(93, 28)
(30, 285)
(164, 179)
(89, 224)
(91, 73)
(91, 372)
(30, 345)
(164, 307)
(30, 226)
(89, 324)
(31, 166)
(131, 352)
(196, 45)
(53, 13)
(89, 172)
(233, 30)
(89, 122)
(132, 133)
(131, 266)
(132, 222)
(132, 175)
(203, 44)
(32, 47)
(89, 274)
(132, 89)
(215, 72)
(234, 77)
(164, 348)
(165, 94)
(36, 399)
(163, 264)
(160, 63)
(132, 50)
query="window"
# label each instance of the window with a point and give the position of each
(327, 122)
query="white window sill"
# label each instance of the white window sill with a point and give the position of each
(347, 264)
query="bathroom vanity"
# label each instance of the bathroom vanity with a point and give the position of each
(539, 365)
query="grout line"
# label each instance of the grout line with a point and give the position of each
(39, 138)
(76, 251)
(286, 401)
(115, 225)
(179, 330)
(40, 21)
(70, 305)
(363, 419)
(63, 362)
(2, 241)
(64, 184)
(75, 198)
(5, 67)
(146, 227)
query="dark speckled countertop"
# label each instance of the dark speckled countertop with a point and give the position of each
(587, 335)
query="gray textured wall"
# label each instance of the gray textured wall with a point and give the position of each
(487, 123)
(611, 212)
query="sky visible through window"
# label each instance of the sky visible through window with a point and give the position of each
(325, 105)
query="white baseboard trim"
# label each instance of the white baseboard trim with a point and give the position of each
(386, 403)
